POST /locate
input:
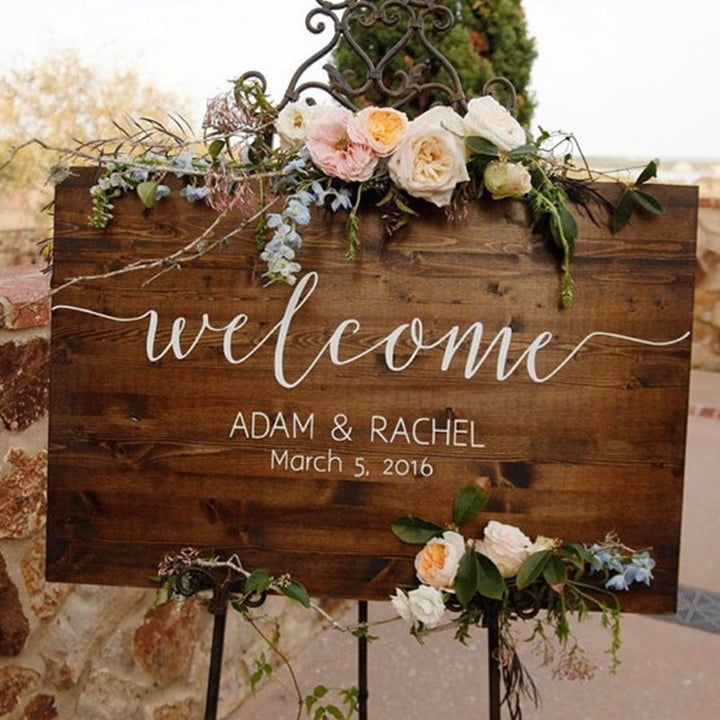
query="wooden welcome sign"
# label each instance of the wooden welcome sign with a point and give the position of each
(292, 425)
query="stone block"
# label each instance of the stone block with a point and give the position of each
(14, 681)
(24, 383)
(40, 707)
(14, 626)
(45, 598)
(23, 501)
(82, 627)
(108, 697)
(24, 301)
(182, 710)
(164, 642)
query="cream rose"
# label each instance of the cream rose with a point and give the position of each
(487, 118)
(445, 117)
(430, 160)
(507, 179)
(437, 563)
(293, 123)
(424, 604)
(381, 128)
(507, 546)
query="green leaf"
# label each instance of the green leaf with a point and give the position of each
(490, 582)
(404, 207)
(215, 148)
(649, 172)
(622, 212)
(258, 582)
(467, 577)
(532, 568)
(521, 151)
(415, 530)
(555, 572)
(569, 226)
(295, 591)
(469, 501)
(577, 554)
(335, 712)
(647, 203)
(146, 192)
(481, 146)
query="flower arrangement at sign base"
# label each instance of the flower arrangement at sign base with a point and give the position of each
(505, 576)
(464, 583)
(274, 167)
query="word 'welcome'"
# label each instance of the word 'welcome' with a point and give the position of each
(412, 334)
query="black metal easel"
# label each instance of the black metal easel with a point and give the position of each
(199, 578)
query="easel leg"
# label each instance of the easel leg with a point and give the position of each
(493, 630)
(362, 663)
(216, 655)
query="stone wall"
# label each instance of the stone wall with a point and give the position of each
(94, 652)
(706, 325)
(80, 651)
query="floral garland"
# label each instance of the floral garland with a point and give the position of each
(464, 583)
(505, 576)
(275, 166)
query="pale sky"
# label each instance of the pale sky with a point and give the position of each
(630, 78)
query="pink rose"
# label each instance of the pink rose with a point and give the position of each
(333, 149)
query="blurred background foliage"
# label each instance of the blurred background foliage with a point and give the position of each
(490, 38)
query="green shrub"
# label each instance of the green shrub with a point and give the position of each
(489, 39)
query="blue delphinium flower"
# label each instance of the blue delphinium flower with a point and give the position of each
(627, 566)
(642, 566)
(618, 582)
(161, 191)
(296, 213)
(193, 193)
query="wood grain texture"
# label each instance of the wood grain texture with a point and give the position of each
(141, 457)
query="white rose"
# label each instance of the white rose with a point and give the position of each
(424, 604)
(444, 116)
(430, 160)
(401, 605)
(437, 563)
(292, 124)
(507, 179)
(487, 118)
(507, 546)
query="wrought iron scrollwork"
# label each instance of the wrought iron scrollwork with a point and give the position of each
(417, 19)
(223, 584)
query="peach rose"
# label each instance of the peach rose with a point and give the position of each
(381, 128)
(437, 563)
